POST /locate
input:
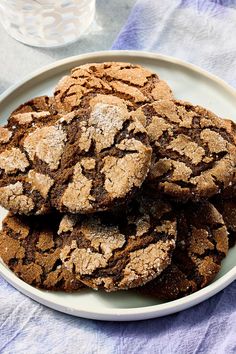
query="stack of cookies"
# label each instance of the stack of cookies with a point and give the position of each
(114, 184)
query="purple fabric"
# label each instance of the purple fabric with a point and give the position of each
(28, 327)
(202, 32)
(169, 27)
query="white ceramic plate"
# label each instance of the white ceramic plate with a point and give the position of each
(188, 82)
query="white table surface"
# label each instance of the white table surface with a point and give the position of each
(18, 60)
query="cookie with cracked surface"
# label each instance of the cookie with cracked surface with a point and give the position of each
(83, 161)
(202, 243)
(105, 159)
(123, 83)
(23, 186)
(122, 249)
(30, 247)
(194, 151)
(36, 104)
(227, 208)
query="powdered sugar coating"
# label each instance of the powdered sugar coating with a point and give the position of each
(60, 159)
(113, 252)
(77, 194)
(13, 160)
(5, 135)
(13, 197)
(118, 180)
(40, 182)
(107, 157)
(150, 261)
(105, 121)
(28, 117)
(30, 247)
(194, 153)
(47, 144)
(202, 243)
(23, 181)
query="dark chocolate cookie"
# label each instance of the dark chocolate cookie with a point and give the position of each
(123, 249)
(194, 151)
(202, 243)
(123, 83)
(31, 248)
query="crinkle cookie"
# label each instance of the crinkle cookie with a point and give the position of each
(31, 248)
(227, 208)
(123, 83)
(202, 243)
(123, 249)
(23, 187)
(81, 162)
(105, 158)
(194, 151)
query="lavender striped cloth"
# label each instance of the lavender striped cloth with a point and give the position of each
(203, 32)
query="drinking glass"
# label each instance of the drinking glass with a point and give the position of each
(46, 23)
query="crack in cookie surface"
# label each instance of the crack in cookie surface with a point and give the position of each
(129, 84)
(37, 104)
(30, 247)
(194, 151)
(202, 243)
(122, 249)
(83, 161)
(105, 159)
(23, 188)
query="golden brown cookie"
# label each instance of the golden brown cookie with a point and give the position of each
(123, 249)
(84, 161)
(194, 151)
(202, 243)
(30, 247)
(111, 82)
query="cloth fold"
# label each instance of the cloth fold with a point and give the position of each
(204, 33)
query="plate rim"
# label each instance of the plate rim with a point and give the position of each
(125, 53)
(119, 314)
